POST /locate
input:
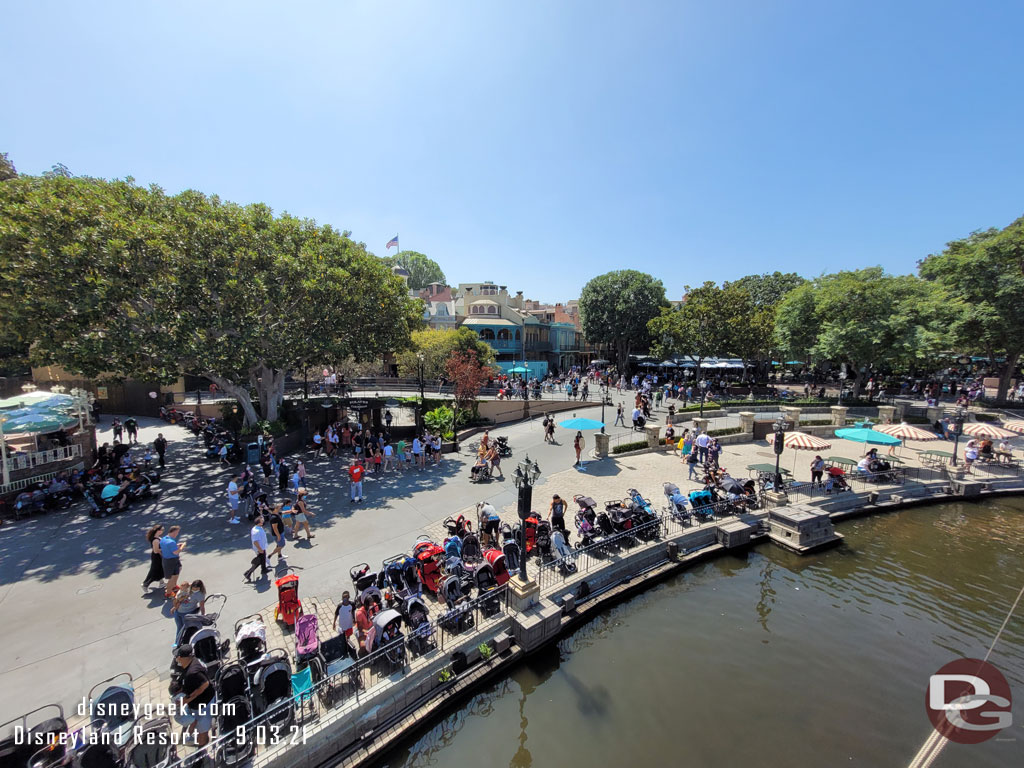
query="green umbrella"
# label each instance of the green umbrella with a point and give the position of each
(38, 423)
(37, 399)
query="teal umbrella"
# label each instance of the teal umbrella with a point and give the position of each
(861, 435)
(518, 369)
(36, 400)
(38, 423)
(581, 423)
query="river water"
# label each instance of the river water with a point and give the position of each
(768, 659)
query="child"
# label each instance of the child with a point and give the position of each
(376, 461)
(344, 621)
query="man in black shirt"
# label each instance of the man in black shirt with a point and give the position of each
(160, 444)
(277, 534)
(195, 716)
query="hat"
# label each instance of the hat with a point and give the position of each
(184, 651)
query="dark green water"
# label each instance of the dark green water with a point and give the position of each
(769, 659)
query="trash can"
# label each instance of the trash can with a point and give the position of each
(252, 454)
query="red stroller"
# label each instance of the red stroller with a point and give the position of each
(836, 481)
(497, 560)
(428, 556)
(289, 607)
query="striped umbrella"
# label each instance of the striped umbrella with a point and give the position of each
(802, 441)
(991, 431)
(907, 432)
(1014, 426)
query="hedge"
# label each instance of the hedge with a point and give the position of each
(627, 447)
(724, 432)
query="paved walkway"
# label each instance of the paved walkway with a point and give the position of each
(72, 610)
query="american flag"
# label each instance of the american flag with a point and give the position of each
(392, 242)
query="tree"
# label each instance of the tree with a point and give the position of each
(467, 374)
(616, 307)
(107, 277)
(704, 326)
(437, 346)
(862, 318)
(766, 292)
(422, 270)
(7, 169)
(983, 275)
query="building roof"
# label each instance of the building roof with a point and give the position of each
(496, 321)
(483, 301)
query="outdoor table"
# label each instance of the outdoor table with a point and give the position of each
(934, 457)
(894, 459)
(833, 460)
(766, 469)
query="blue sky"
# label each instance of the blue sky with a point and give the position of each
(540, 143)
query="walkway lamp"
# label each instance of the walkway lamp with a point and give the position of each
(419, 372)
(525, 477)
(958, 423)
(780, 438)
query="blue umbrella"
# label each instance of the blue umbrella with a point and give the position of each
(518, 369)
(867, 436)
(581, 423)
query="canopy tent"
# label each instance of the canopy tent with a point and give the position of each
(38, 423)
(599, 362)
(802, 441)
(668, 364)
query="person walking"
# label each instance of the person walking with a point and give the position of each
(156, 565)
(282, 477)
(389, 457)
(577, 445)
(417, 452)
(170, 557)
(160, 445)
(437, 448)
(118, 429)
(691, 464)
(258, 539)
(194, 714)
(318, 445)
(302, 515)
(620, 415)
(233, 499)
(277, 534)
(549, 435)
(131, 426)
(701, 443)
(355, 476)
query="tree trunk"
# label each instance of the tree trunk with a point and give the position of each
(1004, 380)
(270, 389)
(857, 381)
(622, 353)
(241, 394)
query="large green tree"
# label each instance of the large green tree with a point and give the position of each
(863, 318)
(422, 270)
(615, 308)
(437, 347)
(108, 277)
(983, 275)
(709, 323)
(766, 291)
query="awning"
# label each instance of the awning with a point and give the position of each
(491, 321)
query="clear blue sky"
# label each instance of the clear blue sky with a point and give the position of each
(539, 143)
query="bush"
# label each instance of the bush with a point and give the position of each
(916, 420)
(986, 417)
(440, 420)
(724, 432)
(627, 447)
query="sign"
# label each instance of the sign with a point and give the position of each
(968, 701)
(101, 393)
(358, 404)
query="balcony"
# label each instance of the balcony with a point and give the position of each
(504, 345)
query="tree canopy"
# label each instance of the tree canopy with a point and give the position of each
(422, 270)
(710, 322)
(983, 276)
(616, 307)
(437, 347)
(106, 277)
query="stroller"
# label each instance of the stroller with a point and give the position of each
(456, 526)
(458, 616)
(307, 644)
(208, 646)
(643, 516)
(531, 532)
(234, 713)
(486, 582)
(41, 745)
(289, 607)
(386, 635)
(836, 481)
(620, 514)
(112, 714)
(677, 504)
(510, 549)
(272, 690)
(497, 560)
(421, 631)
(338, 656)
(586, 529)
(542, 539)
(472, 552)
(453, 547)
(250, 640)
(702, 503)
(400, 577)
(566, 560)
(428, 555)
(639, 422)
(153, 746)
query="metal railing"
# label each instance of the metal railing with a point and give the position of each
(27, 482)
(340, 695)
(37, 458)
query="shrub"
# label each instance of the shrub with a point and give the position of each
(627, 447)
(724, 432)
(987, 417)
(485, 651)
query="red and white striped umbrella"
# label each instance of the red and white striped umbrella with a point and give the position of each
(906, 432)
(991, 431)
(802, 441)
(1014, 426)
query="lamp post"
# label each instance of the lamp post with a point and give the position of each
(703, 395)
(28, 386)
(3, 452)
(780, 438)
(419, 371)
(525, 477)
(961, 416)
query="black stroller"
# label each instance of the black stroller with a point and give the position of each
(152, 745)
(510, 548)
(459, 616)
(486, 583)
(272, 690)
(234, 712)
(45, 724)
(421, 631)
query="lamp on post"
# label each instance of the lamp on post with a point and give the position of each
(958, 422)
(703, 395)
(524, 477)
(28, 386)
(419, 410)
(3, 453)
(780, 438)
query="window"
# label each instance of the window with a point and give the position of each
(492, 310)
(517, 334)
(487, 334)
(489, 290)
(503, 334)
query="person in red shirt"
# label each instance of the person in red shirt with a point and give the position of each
(355, 476)
(363, 624)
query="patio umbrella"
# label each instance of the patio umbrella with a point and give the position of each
(907, 432)
(802, 441)
(37, 399)
(38, 423)
(870, 436)
(518, 369)
(668, 364)
(1014, 426)
(991, 431)
(581, 423)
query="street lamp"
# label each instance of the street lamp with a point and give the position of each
(959, 418)
(703, 395)
(59, 389)
(28, 386)
(780, 438)
(419, 370)
(524, 477)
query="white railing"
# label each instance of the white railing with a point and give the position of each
(28, 482)
(39, 458)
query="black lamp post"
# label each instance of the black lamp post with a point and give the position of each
(958, 422)
(524, 477)
(780, 439)
(703, 384)
(419, 411)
